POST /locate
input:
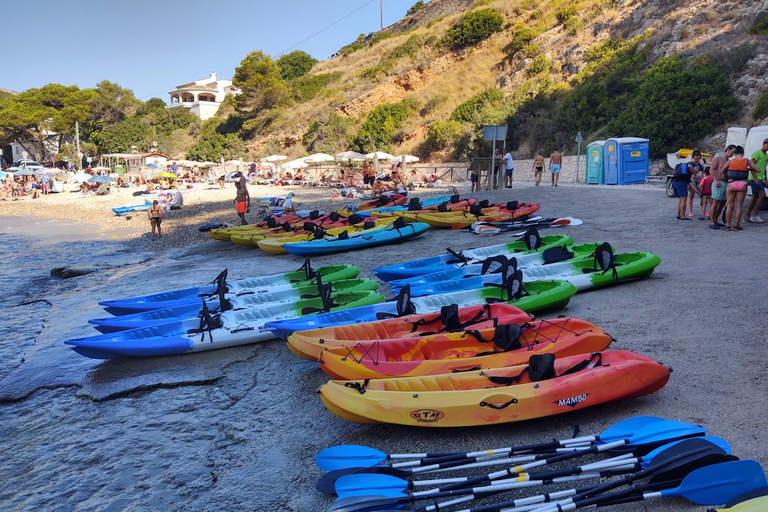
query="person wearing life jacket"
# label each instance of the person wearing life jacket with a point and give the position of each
(737, 174)
(680, 184)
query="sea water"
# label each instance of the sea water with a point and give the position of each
(180, 433)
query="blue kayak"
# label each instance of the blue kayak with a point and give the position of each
(123, 210)
(432, 201)
(247, 300)
(522, 261)
(302, 277)
(526, 245)
(394, 233)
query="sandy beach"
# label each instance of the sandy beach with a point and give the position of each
(238, 429)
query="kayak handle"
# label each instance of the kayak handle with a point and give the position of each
(498, 406)
(457, 370)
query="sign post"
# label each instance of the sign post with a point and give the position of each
(579, 140)
(494, 132)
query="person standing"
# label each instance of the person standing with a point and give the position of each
(474, 179)
(718, 186)
(760, 159)
(737, 173)
(681, 181)
(156, 214)
(538, 167)
(555, 162)
(509, 169)
(695, 179)
(242, 201)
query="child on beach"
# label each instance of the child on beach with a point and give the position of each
(706, 194)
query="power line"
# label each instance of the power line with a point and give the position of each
(325, 28)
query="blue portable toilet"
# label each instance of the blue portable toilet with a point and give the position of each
(626, 160)
(595, 167)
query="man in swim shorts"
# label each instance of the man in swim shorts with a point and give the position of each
(718, 186)
(760, 159)
(242, 202)
(555, 162)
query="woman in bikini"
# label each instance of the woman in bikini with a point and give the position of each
(736, 175)
(538, 166)
(156, 214)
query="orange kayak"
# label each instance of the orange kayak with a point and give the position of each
(494, 347)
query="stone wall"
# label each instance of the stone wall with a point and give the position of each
(524, 169)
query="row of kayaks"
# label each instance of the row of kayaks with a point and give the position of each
(311, 298)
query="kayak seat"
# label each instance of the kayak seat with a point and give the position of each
(604, 260)
(556, 254)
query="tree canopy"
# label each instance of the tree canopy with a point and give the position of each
(295, 64)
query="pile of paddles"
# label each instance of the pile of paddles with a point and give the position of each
(639, 458)
(466, 351)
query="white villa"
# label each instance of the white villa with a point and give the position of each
(202, 97)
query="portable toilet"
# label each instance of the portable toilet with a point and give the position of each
(595, 174)
(626, 160)
(736, 135)
(755, 139)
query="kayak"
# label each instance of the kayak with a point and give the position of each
(383, 201)
(488, 397)
(123, 210)
(308, 344)
(583, 273)
(494, 347)
(246, 300)
(274, 245)
(386, 211)
(271, 221)
(395, 233)
(301, 277)
(545, 257)
(539, 296)
(212, 331)
(415, 206)
(459, 219)
(330, 221)
(520, 249)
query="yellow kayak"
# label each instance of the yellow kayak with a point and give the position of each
(274, 245)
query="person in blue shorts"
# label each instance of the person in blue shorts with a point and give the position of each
(680, 184)
(555, 161)
(718, 186)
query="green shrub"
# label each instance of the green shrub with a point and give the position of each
(371, 73)
(565, 12)
(474, 27)
(480, 3)
(416, 7)
(760, 26)
(443, 135)
(381, 126)
(219, 139)
(572, 25)
(380, 36)
(329, 134)
(295, 64)
(408, 49)
(540, 64)
(433, 102)
(521, 38)
(467, 111)
(307, 87)
(761, 109)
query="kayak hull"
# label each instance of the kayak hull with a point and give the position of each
(459, 352)
(309, 344)
(388, 235)
(447, 261)
(472, 399)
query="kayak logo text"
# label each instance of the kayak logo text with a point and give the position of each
(427, 415)
(572, 401)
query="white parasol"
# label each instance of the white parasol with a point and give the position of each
(376, 156)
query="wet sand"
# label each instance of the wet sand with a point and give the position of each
(238, 429)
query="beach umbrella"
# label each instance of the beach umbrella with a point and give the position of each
(317, 158)
(408, 159)
(168, 175)
(80, 177)
(101, 179)
(299, 163)
(154, 166)
(25, 172)
(274, 158)
(2, 175)
(350, 155)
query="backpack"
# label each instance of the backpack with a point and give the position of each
(681, 171)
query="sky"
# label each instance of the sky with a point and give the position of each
(151, 46)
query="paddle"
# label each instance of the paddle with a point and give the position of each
(346, 456)
(499, 227)
(753, 501)
(382, 484)
(707, 485)
(685, 455)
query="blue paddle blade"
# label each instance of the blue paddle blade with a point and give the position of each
(661, 431)
(716, 441)
(720, 483)
(349, 456)
(625, 428)
(370, 483)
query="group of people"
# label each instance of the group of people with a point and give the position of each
(723, 188)
(507, 163)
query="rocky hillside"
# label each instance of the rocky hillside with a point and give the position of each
(440, 80)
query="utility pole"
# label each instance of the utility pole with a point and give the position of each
(77, 145)
(381, 15)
